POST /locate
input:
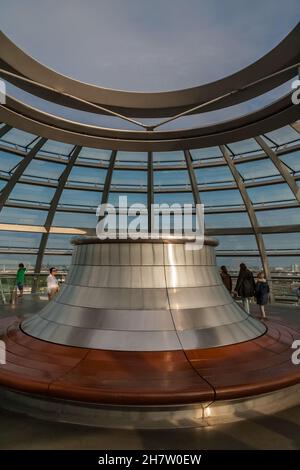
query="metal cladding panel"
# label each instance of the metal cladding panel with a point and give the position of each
(136, 277)
(117, 340)
(143, 296)
(108, 319)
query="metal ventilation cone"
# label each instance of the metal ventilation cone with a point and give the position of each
(143, 296)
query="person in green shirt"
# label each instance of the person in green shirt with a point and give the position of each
(20, 279)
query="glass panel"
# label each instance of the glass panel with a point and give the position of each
(206, 153)
(19, 239)
(272, 193)
(77, 198)
(257, 170)
(171, 223)
(279, 217)
(59, 241)
(61, 262)
(11, 215)
(237, 243)
(292, 160)
(8, 161)
(9, 262)
(133, 224)
(171, 198)
(214, 175)
(171, 178)
(168, 158)
(282, 241)
(44, 170)
(81, 175)
(92, 154)
(284, 135)
(15, 138)
(285, 264)
(245, 147)
(2, 184)
(132, 158)
(230, 197)
(56, 148)
(74, 220)
(129, 179)
(235, 219)
(233, 263)
(132, 198)
(32, 193)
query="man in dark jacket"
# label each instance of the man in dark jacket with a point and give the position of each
(245, 286)
(226, 278)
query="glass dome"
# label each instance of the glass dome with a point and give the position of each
(55, 172)
(51, 193)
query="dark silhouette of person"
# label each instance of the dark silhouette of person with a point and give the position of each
(226, 278)
(245, 286)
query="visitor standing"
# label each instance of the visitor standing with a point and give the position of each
(262, 293)
(245, 286)
(226, 278)
(52, 283)
(20, 279)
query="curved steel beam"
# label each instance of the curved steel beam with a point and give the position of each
(162, 104)
(282, 104)
(281, 167)
(275, 115)
(151, 127)
(192, 176)
(108, 178)
(250, 209)
(51, 213)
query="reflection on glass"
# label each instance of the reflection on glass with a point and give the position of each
(17, 138)
(271, 193)
(279, 217)
(235, 219)
(206, 153)
(171, 178)
(245, 147)
(214, 175)
(230, 197)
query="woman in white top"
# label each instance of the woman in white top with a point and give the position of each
(52, 283)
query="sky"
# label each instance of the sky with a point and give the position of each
(148, 45)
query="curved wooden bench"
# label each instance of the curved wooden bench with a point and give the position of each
(148, 378)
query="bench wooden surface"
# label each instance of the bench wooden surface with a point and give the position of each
(148, 378)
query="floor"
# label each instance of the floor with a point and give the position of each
(280, 431)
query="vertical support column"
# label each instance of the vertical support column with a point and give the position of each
(108, 178)
(53, 206)
(251, 213)
(150, 191)
(107, 182)
(284, 172)
(192, 177)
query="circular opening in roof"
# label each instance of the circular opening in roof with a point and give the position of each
(148, 46)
